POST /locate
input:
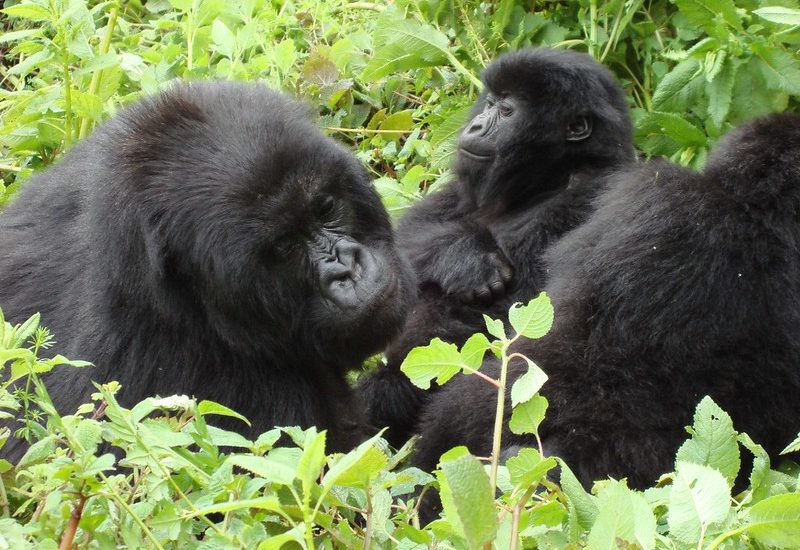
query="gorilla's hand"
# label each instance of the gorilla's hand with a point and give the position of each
(474, 269)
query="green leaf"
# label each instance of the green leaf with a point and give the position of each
(401, 122)
(623, 515)
(355, 467)
(312, 460)
(674, 83)
(779, 14)
(438, 360)
(677, 127)
(224, 39)
(792, 447)
(705, 13)
(720, 92)
(528, 384)
(775, 521)
(467, 497)
(272, 468)
(534, 319)
(284, 55)
(210, 407)
(700, 497)
(526, 417)
(582, 505)
(780, 68)
(713, 441)
(760, 471)
(30, 11)
(495, 327)
(474, 349)
(404, 44)
(528, 467)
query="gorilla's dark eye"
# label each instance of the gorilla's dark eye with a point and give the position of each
(506, 110)
(326, 207)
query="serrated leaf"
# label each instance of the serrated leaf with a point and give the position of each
(761, 464)
(780, 68)
(404, 44)
(700, 497)
(438, 360)
(623, 516)
(582, 505)
(206, 407)
(474, 349)
(674, 82)
(677, 128)
(528, 384)
(526, 417)
(720, 92)
(775, 521)
(534, 319)
(528, 467)
(779, 14)
(223, 38)
(312, 460)
(30, 11)
(279, 471)
(495, 327)
(354, 467)
(713, 441)
(467, 498)
(705, 13)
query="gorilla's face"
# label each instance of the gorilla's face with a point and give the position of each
(279, 239)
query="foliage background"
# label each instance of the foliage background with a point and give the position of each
(394, 80)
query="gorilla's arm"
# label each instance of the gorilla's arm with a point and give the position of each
(455, 251)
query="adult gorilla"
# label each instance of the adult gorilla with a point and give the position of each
(680, 285)
(548, 125)
(210, 241)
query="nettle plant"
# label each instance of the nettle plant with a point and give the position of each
(159, 476)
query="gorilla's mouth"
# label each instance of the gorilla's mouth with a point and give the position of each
(480, 157)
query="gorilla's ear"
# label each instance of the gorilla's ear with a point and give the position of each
(579, 128)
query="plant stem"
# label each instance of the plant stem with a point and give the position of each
(94, 85)
(72, 526)
(368, 530)
(498, 419)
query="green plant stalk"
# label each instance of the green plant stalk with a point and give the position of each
(499, 416)
(94, 85)
(463, 70)
(593, 28)
(725, 536)
(67, 106)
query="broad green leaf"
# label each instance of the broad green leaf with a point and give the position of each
(526, 417)
(713, 441)
(779, 14)
(706, 13)
(534, 319)
(312, 460)
(760, 471)
(38, 451)
(276, 471)
(582, 505)
(275, 542)
(19, 35)
(438, 360)
(224, 39)
(360, 472)
(781, 68)
(528, 467)
(700, 497)
(263, 503)
(775, 521)
(30, 11)
(474, 349)
(467, 497)
(528, 384)
(752, 95)
(284, 55)
(400, 122)
(495, 327)
(720, 92)
(623, 516)
(210, 407)
(402, 45)
(674, 83)
(353, 465)
(678, 128)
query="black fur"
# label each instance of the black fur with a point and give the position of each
(497, 217)
(679, 285)
(209, 241)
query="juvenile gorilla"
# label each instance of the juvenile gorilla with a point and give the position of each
(210, 241)
(679, 285)
(548, 126)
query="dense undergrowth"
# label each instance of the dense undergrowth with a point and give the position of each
(394, 80)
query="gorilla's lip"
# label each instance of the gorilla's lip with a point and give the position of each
(476, 156)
